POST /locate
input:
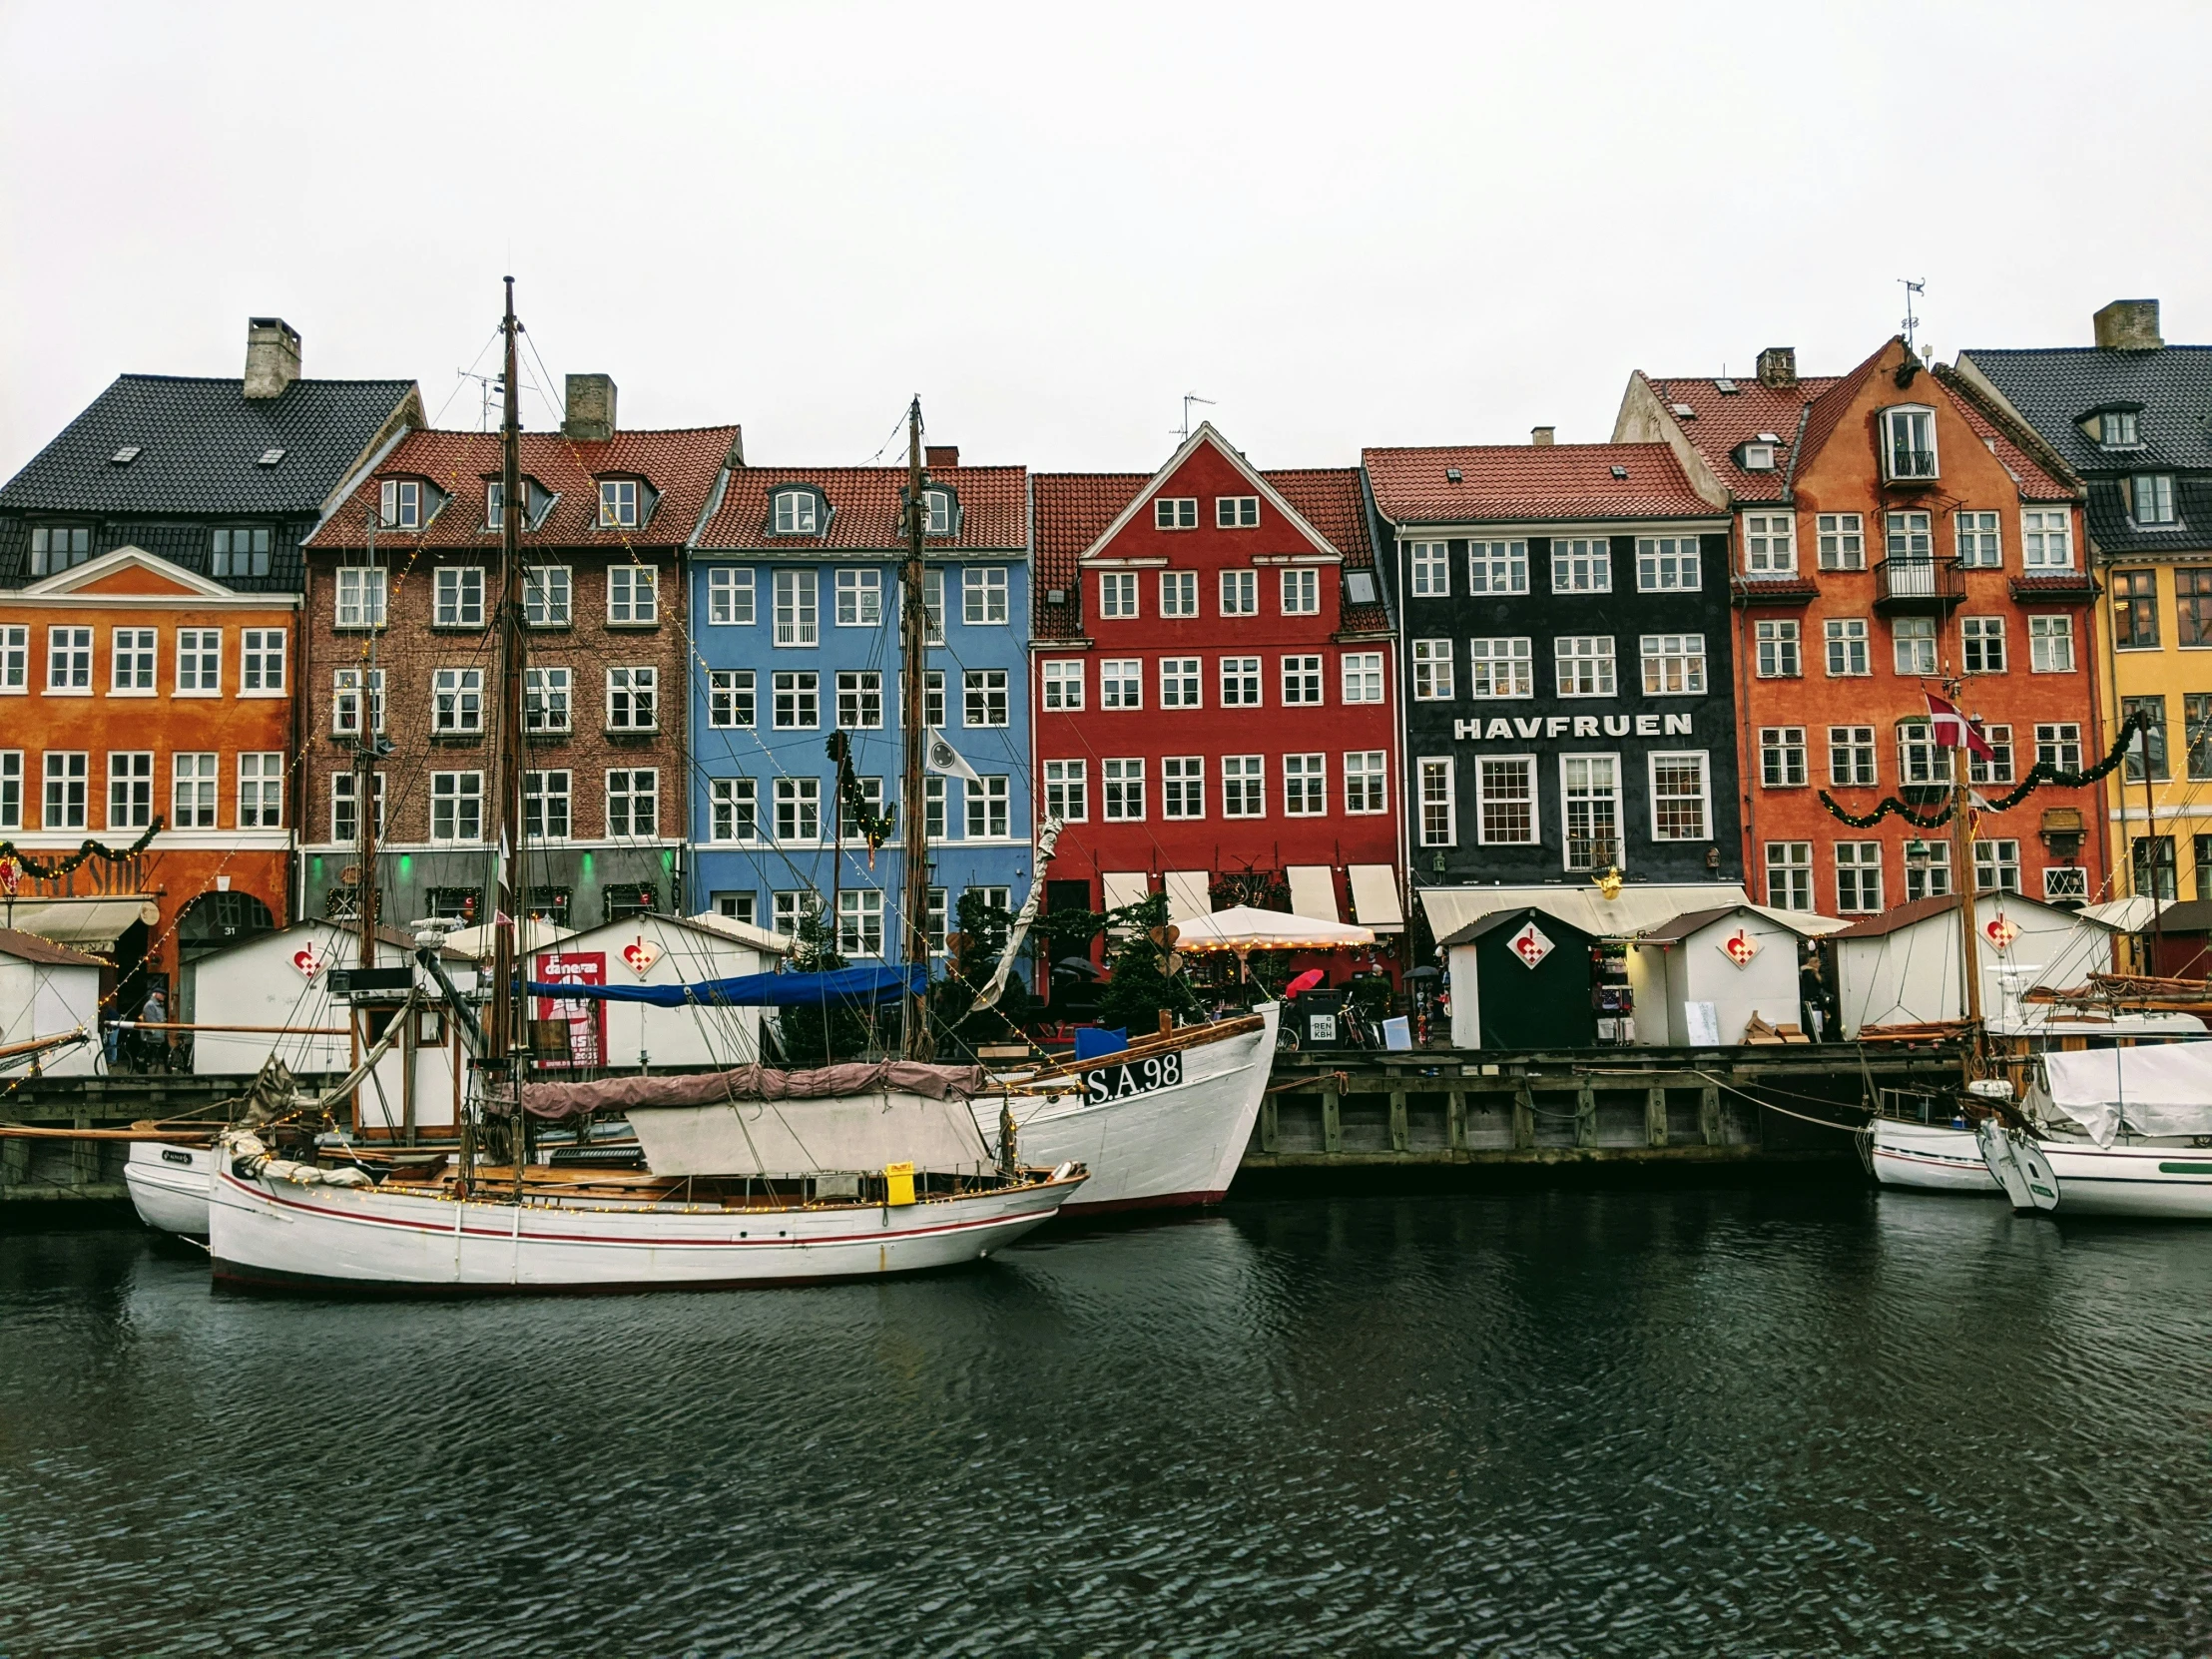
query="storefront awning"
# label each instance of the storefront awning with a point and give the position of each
(1374, 898)
(87, 923)
(1314, 891)
(1126, 886)
(1190, 892)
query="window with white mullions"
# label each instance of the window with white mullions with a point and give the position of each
(1240, 593)
(1430, 569)
(633, 597)
(2046, 538)
(1681, 796)
(360, 597)
(634, 803)
(1438, 804)
(1776, 651)
(937, 510)
(1789, 876)
(871, 796)
(861, 700)
(1997, 768)
(983, 595)
(69, 660)
(859, 598)
(1505, 800)
(1497, 567)
(1235, 512)
(1244, 787)
(797, 700)
(2059, 744)
(1433, 671)
(1179, 682)
(261, 662)
(1183, 787)
(1850, 756)
(545, 699)
(195, 779)
(1981, 642)
(1843, 540)
(15, 659)
(990, 802)
(1782, 757)
(457, 701)
(618, 503)
(1300, 680)
(262, 791)
(984, 697)
(459, 601)
(798, 618)
(730, 702)
(1117, 595)
(1581, 564)
(797, 810)
(1305, 785)
(547, 596)
(1845, 638)
(2151, 498)
(1590, 794)
(861, 921)
(1921, 759)
(1669, 564)
(131, 666)
(345, 821)
(1909, 442)
(1927, 869)
(546, 801)
(729, 597)
(1361, 673)
(1178, 593)
(130, 789)
(1674, 665)
(1171, 512)
(1583, 663)
(1367, 787)
(347, 686)
(1121, 682)
(733, 810)
(1770, 543)
(1067, 791)
(1063, 686)
(1302, 592)
(1913, 640)
(1996, 865)
(795, 513)
(65, 789)
(1501, 668)
(457, 807)
(1980, 541)
(1240, 683)
(1122, 787)
(1858, 877)
(2050, 644)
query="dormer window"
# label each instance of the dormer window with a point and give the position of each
(1909, 443)
(2151, 498)
(1757, 457)
(536, 501)
(401, 505)
(940, 506)
(2113, 428)
(797, 513)
(618, 503)
(240, 550)
(57, 547)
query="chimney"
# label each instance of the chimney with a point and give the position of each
(272, 356)
(1542, 437)
(934, 455)
(591, 408)
(1777, 367)
(2129, 325)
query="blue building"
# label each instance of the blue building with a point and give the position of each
(793, 621)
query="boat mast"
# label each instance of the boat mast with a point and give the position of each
(1961, 843)
(914, 650)
(503, 1055)
(367, 743)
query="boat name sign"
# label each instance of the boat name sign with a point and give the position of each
(1119, 1082)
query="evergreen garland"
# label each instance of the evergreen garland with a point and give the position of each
(2042, 772)
(875, 827)
(45, 869)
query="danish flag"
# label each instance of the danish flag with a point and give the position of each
(1953, 730)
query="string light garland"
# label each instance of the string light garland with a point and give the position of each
(876, 826)
(2042, 772)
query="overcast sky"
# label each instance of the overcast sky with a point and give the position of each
(1346, 225)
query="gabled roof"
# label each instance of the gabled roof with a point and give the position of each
(1532, 483)
(200, 445)
(81, 577)
(29, 947)
(2053, 388)
(1496, 919)
(1919, 910)
(1720, 422)
(681, 464)
(1208, 437)
(864, 504)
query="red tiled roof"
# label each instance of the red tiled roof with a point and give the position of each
(1331, 502)
(1826, 412)
(681, 464)
(1506, 482)
(1719, 422)
(864, 508)
(2037, 482)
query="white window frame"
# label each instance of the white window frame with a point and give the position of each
(15, 660)
(73, 779)
(1178, 593)
(730, 596)
(1120, 786)
(1063, 685)
(346, 688)
(261, 665)
(1590, 795)
(346, 824)
(1306, 786)
(986, 699)
(1836, 636)
(1433, 671)
(1182, 681)
(641, 787)
(1301, 683)
(1243, 786)
(633, 596)
(799, 806)
(1785, 744)
(195, 790)
(1704, 759)
(1982, 648)
(990, 801)
(984, 590)
(859, 598)
(540, 790)
(1501, 668)
(1361, 674)
(1778, 649)
(548, 596)
(1183, 787)
(1567, 653)
(2163, 514)
(1067, 791)
(130, 789)
(399, 504)
(1117, 595)
(1497, 567)
(1673, 664)
(1669, 564)
(1864, 884)
(1527, 765)
(860, 693)
(460, 598)
(1916, 641)
(548, 698)
(456, 702)
(798, 691)
(1770, 543)
(1843, 540)
(1861, 748)
(1978, 537)
(2050, 644)
(1367, 782)
(620, 503)
(1581, 564)
(936, 512)
(1121, 682)
(633, 698)
(1429, 566)
(126, 648)
(1175, 512)
(861, 921)
(68, 653)
(1243, 683)
(1439, 798)
(450, 792)
(795, 512)
(1895, 422)
(2046, 538)
(797, 601)
(261, 791)
(1792, 863)
(732, 693)
(1235, 512)
(1300, 590)
(368, 607)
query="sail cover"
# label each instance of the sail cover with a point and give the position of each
(839, 1134)
(709, 1088)
(755, 990)
(2160, 1090)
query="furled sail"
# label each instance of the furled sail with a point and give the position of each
(755, 990)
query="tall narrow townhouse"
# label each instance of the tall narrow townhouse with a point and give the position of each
(402, 598)
(1215, 689)
(2128, 416)
(1891, 537)
(149, 579)
(1568, 686)
(796, 594)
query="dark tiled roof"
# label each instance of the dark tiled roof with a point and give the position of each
(200, 445)
(681, 465)
(33, 948)
(2054, 387)
(864, 506)
(1719, 422)
(1504, 483)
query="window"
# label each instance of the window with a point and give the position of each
(1300, 680)
(346, 822)
(790, 906)
(2193, 604)
(1179, 683)
(15, 659)
(987, 802)
(633, 801)
(1171, 512)
(1982, 644)
(65, 790)
(932, 698)
(192, 790)
(2059, 744)
(59, 547)
(1777, 650)
(937, 512)
(1121, 682)
(131, 665)
(2196, 727)
(1240, 682)
(1980, 546)
(1363, 676)
(2151, 498)
(732, 809)
(457, 701)
(130, 789)
(460, 597)
(1913, 643)
(859, 599)
(1505, 800)
(633, 699)
(1240, 593)
(495, 506)
(546, 596)
(1680, 797)
(239, 550)
(2151, 749)
(738, 907)
(2050, 644)
(1581, 564)
(730, 699)
(261, 663)
(11, 789)
(1433, 671)
(1668, 564)
(1912, 536)
(2046, 538)
(1590, 791)
(932, 606)
(1305, 785)
(1674, 665)
(796, 620)
(1996, 867)
(400, 504)
(1497, 567)
(1244, 787)
(2114, 428)
(1430, 564)
(1909, 442)
(795, 699)
(2153, 858)
(2135, 610)
(729, 597)
(1789, 876)
(360, 597)
(545, 806)
(1183, 787)
(1067, 791)
(1858, 877)
(1919, 759)
(618, 503)
(861, 700)
(545, 699)
(1997, 769)
(1438, 809)
(262, 791)
(1117, 593)
(1758, 458)
(69, 660)
(1583, 663)
(797, 810)
(1235, 512)
(1063, 685)
(861, 921)
(871, 798)
(984, 697)
(1122, 784)
(1302, 592)
(1927, 869)
(633, 597)
(1178, 593)
(1843, 540)
(1782, 757)
(2064, 883)
(1847, 647)
(1770, 543)
(797, 513)
(1850, 758)
(347, 686)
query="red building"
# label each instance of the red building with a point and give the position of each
(1214, 690)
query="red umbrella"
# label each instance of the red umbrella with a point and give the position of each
(1303, 982)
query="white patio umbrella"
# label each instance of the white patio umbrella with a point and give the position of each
(1244, 929)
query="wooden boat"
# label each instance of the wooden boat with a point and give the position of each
(168, 1185)
(1936, 1157)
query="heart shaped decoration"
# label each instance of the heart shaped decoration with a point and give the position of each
(641, 955)
(308, 962)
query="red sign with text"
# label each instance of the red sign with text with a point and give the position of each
(586, 1016)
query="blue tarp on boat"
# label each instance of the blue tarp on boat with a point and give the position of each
(755, 990)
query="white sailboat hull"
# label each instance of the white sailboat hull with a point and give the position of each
(168, 1185)
(2164, 1183)
(1164, 1147)
(1934, 1157)
(268, 1232)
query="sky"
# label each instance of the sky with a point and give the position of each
(1344, 226)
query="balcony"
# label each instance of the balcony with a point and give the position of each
(1914, 585)
(1911, 469)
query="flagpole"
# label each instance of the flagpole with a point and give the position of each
(1961, 841)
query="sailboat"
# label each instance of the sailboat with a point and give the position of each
(775, 1177)
(2111, 1132)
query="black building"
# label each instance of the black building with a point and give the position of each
(1565, 668)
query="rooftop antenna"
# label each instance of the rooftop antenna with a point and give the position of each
(1189, 397)
(1912, 321)
(489, 388)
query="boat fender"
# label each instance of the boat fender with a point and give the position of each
(1064, 1171)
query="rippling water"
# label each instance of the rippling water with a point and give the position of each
(1781, 1421)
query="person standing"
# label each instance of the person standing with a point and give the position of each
(155, 1011)
(1812, 997)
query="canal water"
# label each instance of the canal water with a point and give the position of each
(1774, 1421)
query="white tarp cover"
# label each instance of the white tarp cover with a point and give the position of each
(1374, 898)
(837, 1135)
(1242, 927)
(2165, 1089)
(1314, 890)
(1125, 887)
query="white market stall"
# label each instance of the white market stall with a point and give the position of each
(653, 950)
(1700, 979)
(50, 990)
(1902, 967)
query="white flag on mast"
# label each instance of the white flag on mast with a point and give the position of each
(941, 756)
